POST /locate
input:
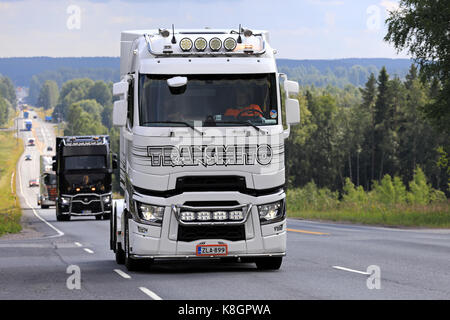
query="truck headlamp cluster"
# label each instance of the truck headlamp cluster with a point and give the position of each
(200, 44)
(188, 216)
(186, 44)
(150, 213)
(271, 212)
(65, 201)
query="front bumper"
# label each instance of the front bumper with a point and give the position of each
(163, 242)
(89, 204)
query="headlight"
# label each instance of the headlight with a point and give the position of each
(200, 44)
(65, 201)
(150, 213)
(271, 211)
(215, 44)
(229, 44)
(186, 44)
(107, 199)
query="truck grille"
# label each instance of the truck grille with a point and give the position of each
(78, 207)
(191, 233)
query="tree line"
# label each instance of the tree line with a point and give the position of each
(365, 133)
(7, 99)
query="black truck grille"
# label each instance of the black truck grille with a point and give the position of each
(191, 233)
(94, 206)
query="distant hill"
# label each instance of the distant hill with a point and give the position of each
(339, 72)
(20, 70)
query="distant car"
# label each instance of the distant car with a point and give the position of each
(27, 157)
(49, 149)
(33, 183)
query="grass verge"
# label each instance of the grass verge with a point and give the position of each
(435, 215)
(11, 149)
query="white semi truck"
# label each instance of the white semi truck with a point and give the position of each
(202, 131)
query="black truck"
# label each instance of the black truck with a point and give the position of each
(84, 167)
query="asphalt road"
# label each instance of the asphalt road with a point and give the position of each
(324, 260)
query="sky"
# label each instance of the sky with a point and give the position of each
(299, 29)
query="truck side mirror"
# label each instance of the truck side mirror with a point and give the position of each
(121, 89)
(291, 87)
(292, 111)
(120, 113)
(114, 161)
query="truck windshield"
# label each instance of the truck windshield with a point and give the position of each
(213, 100)
(84, 162)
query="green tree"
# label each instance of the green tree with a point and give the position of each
(422, 28)
(7, 90)
(80, 122)
(48, 96)
(101, 92)
(4, 111)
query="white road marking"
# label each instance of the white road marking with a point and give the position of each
(12, 179)
(122, 274)
(59, 232)
(150, 293)
(88, 250)
(78, 244)
(351, 270)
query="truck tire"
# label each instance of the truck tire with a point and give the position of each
(61, 217)
(120, 254)
(130, 263)
(273, 263)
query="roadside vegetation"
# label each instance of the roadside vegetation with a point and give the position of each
(389, 203)
(10, 211)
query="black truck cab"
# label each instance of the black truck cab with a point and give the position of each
(84, 167)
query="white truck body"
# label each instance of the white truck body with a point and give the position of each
(209, 188)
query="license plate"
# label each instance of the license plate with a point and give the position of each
(211, 250)
(87, 211)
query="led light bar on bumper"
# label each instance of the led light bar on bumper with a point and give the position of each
(150, 213)
(214, 215)
(272, 212)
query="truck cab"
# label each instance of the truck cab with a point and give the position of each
(202, 132)
(83, 166)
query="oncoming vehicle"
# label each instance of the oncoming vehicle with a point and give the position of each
(47, 191)
(33, 183)
(83, 166)
(202, 132)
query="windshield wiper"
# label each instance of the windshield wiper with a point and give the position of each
(177, 122)
(248, 122)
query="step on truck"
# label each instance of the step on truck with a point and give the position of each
(202, 158)
(83, 167)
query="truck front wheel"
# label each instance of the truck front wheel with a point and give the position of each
(130, 263)
(273, 263)
(61, 217)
